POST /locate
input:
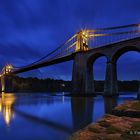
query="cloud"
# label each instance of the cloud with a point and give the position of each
(29, 29)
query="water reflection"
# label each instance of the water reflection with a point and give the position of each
(6, 108)
(43, 116)
(82, 109)
(109, 104)
(79, 112)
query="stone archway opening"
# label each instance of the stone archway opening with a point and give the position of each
(128, 66)
(98, 68)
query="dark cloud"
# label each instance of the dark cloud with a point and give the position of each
(30, 29)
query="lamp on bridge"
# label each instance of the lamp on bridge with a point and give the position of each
(85, 40)
(82, 41)
(8, 69)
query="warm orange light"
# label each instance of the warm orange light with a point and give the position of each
(83, 32)
(6, 106)
(7, 114)
(85, 35)
(8, 68)
(82, 40)
(0, 105)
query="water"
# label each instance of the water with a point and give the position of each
(40, 116)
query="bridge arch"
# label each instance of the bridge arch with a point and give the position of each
(93, 61)
(92, 58)
(117, 54)
(123, 50)
(128, 71)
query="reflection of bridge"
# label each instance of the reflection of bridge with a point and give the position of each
(81, 108)
(6, 105)
(84, 48)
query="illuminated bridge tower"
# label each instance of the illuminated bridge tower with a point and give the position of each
(82, 77)
(6, 79)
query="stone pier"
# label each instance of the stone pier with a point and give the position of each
(82, 78)
(138, 95)
(111, 84)
(6, 83)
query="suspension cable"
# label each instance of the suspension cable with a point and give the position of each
(96, 35)
(48, 53)
(115, 27)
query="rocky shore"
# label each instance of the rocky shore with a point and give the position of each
(124, 124)
(128, 108)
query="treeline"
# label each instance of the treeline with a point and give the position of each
(53, 85)
(122, 85)
(40, 85)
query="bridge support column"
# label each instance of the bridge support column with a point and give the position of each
(82, 77)
(6, 83)
(111, 83)
(138, 94)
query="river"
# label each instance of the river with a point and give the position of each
(40, 116)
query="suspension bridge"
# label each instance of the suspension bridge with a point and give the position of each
(84, 48)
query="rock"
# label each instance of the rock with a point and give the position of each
(124, 126)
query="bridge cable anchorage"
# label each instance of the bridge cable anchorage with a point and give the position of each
(48, 53)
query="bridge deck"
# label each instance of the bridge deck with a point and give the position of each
(46, 63)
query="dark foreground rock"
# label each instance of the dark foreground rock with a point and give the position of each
(111, 128)
(128, 108)
(114, 127)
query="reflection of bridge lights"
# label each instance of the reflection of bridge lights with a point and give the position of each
(7, 114)
(6, 103)
(63, 97)
(0, 105)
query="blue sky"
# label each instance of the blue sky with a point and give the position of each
(29, 29)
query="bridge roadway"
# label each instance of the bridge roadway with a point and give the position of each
(46, 63)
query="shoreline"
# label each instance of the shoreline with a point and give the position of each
(125, 126)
